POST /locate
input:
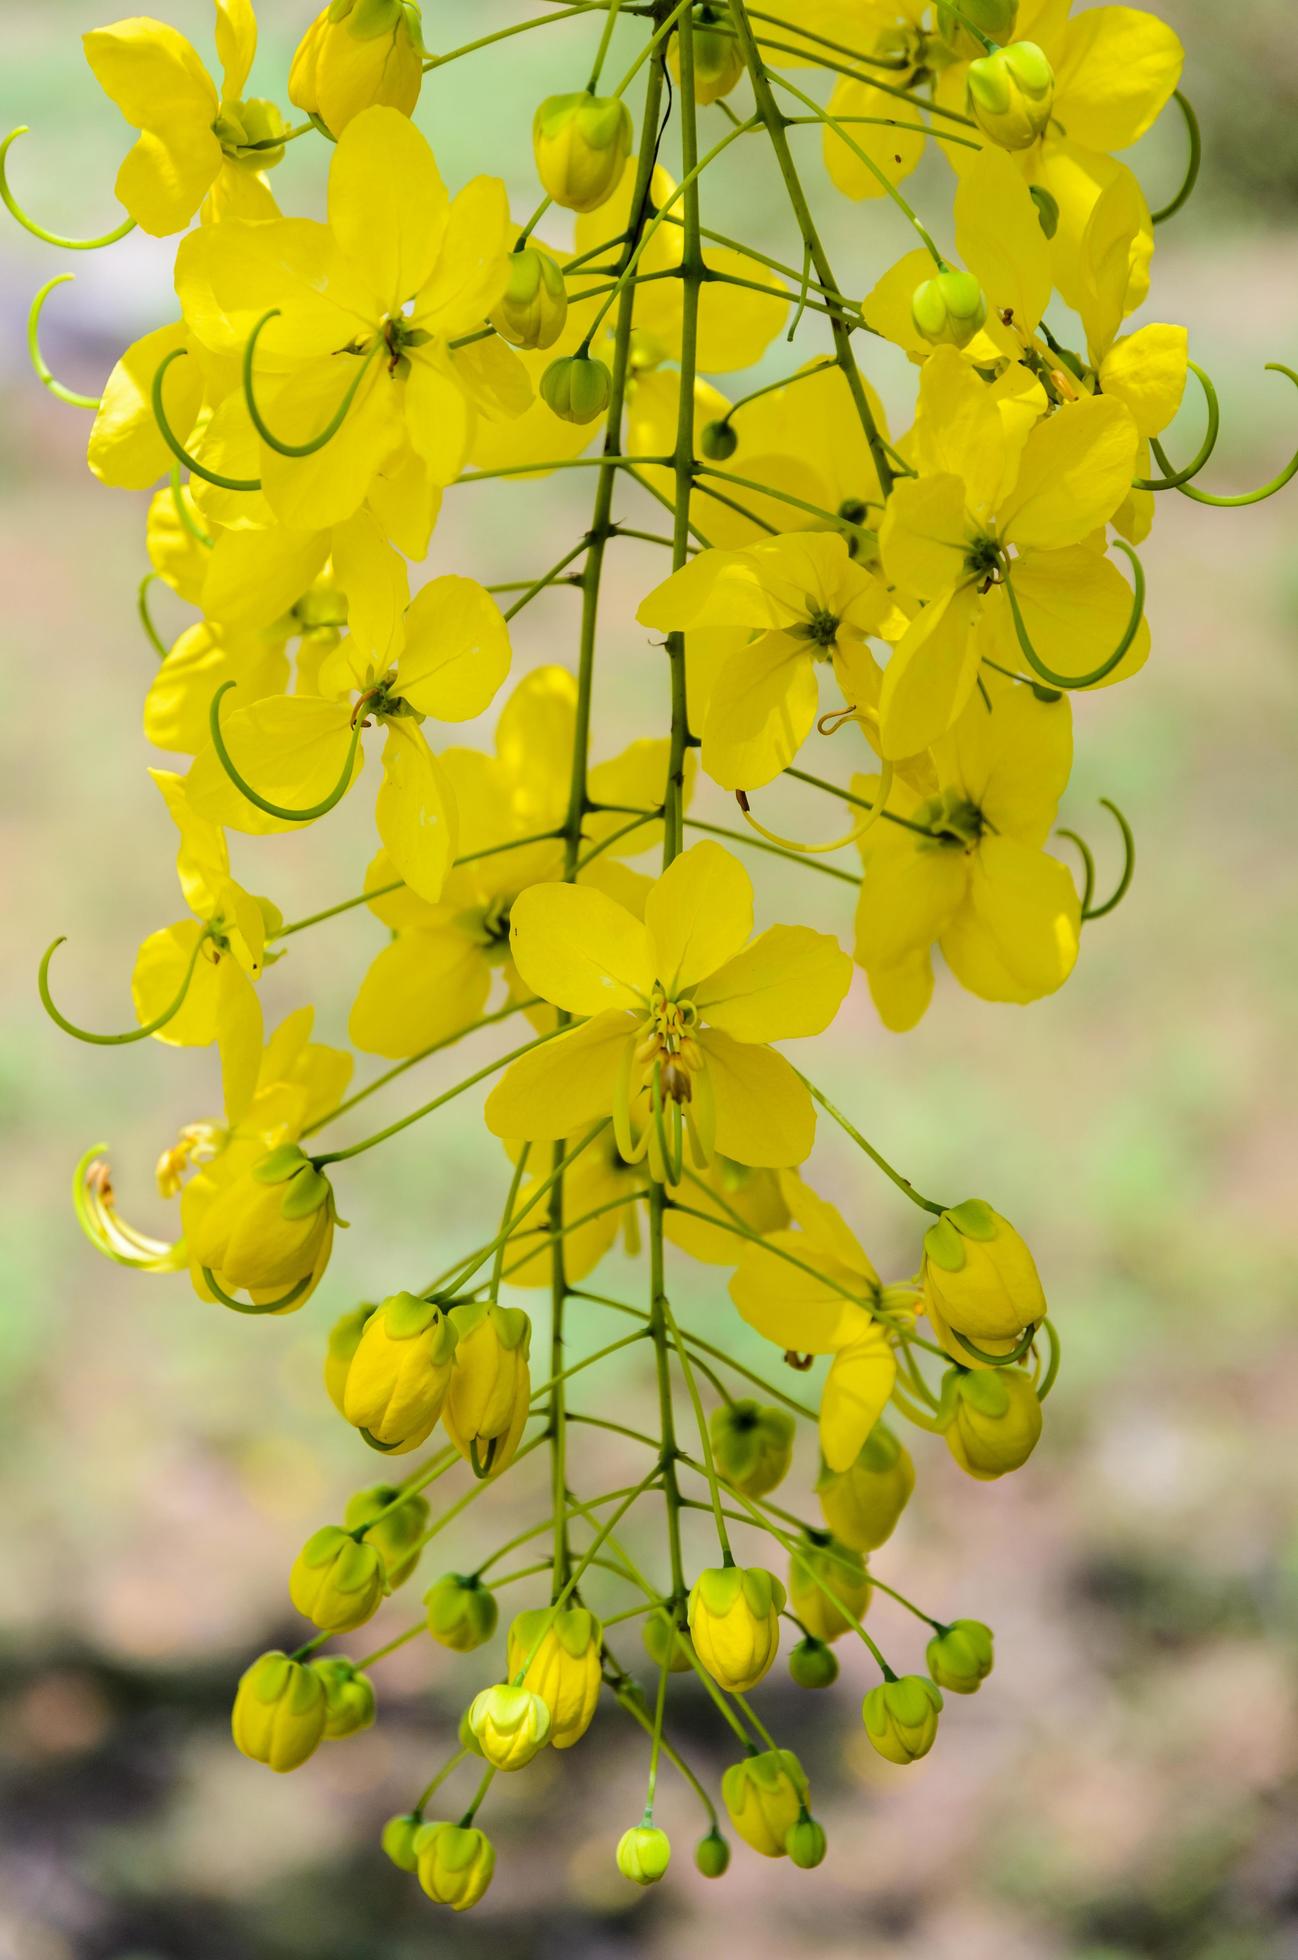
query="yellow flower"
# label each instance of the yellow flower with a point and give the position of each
(734, 1615)
(1006, 915)
(819, 1568)
(195, 146)
(980, 1279)
(509, 1724)
(901, 1717)
(993, 1420)
(561, 1653)
(269, 1229)
(765, 1795)
(862, 1503)
(455, 1863)
(793, 603)
(490, 1387)
(677, 1012)
(357, 53)
(400, 1373)
(279, 1712)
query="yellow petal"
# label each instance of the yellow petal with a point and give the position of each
(421, 989)
(764, 1114)
(902, 993)
(457, 651)
(236, 45)
(414, 812)
(373, 577)
(790, 981)
(580, 950)
(290, 748)
(794, 1308)
(855, 1395)
(387, 206)
(166, 175)
(931, 674)
(908, 895)
(1013, 764)
(1077, 467)
(1016, 936)
(736, 326)
(126, 450)
(254, 577)
(886, 307)
(152, 73)
(1076, 606)
(439, 415)
(958, 427)
(638, 777)
(762, 709)
(472, 268)
(1146, 370)
(896, 150)
(239, 1036)
(1116, 247)
(310, 492)
(160, 967)
(228, 276)
(562, 1088)
(998, 235)
(176, 706)
(1120, 69)
(698, 915)
(925, 535)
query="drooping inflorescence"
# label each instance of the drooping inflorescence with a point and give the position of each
(946, 589)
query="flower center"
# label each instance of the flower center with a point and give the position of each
(954, 820)
(667, 1045)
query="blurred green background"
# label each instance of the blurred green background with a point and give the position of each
(1125, 1785)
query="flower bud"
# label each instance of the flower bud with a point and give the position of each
(511, 1725)
(718, 59)
(752, 1444)
(821, 1562)
(901, 1717)
(400, 1372)
(533, 308)
(455, 1863)
(718, 441)
(662, 1638)
(960, 1657)
(491, 1386)
(561, 1652)
(712, 1855)
(862, 1504)
(765, 1796)
(349, 1697)
(949, 308)
(279, 1712)
(270, 1230)
(979, 1278)
(243, 126)
(335, 1581)
(576, 388)
(1011, 93)
(643, 1854)
(355, 54)
(398, 1839)
(995, 1421)
(813, 1665)
(395, 1523)
(734, 1614)
(344, 1339)
(581, 143)
(995, 18)
(805, 1843)
(467, 1739)
(462, 1613)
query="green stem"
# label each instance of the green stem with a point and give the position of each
(666, 1410)
(903, 205)
(410, 1061)
(488, 1778)
(426, 1109)
(902, 1183)
(431, 1789)
(146, 617)
(705, 1440)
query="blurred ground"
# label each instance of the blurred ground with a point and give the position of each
(1125, 1786)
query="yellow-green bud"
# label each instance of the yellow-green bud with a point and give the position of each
(511, 1725)
(335, 1581)
(712, 1855)
(533, 308)
(467, 1739)
(279, 1712)
(400, 1372)
(581, 143)
(662, 1640)
(270, 1229)
(349, 1697)
(752, 1444)
(948, 309)
(813, 1665)
(980, 1280)
(398, 1839)
(355, 54)
(718, 441)
(490, 1387)
(455, 1863)
(734, 1614)
(576, 388)
(718, 59)
(1011, 94)
(994, 18)
(395, 1523)
(344, 1339)
(805, 1843)
(960, 1657)
(240, 125)
(462, 1614)
(862, 1504)
(901, 1717)
(765, 1795)
(643, 1854)
(821, 1562)
(995, 1420)
(561, 1652)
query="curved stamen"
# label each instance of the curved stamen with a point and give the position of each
(818, 850)
(1088, 865)
(43, 373)
(146, 618)
(1106, 667)
(92, 1199)
(134, 1034)
(1191, 178)
(1047, 1381)
(38, 231)
(1270, 489)
(250, 1306)
(1176, 478)
(335, 422)
(178, 448)
(1015, 1354)
(196, 531)
(280, 810)
(1128, 866)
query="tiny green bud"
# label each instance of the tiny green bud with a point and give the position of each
(462, 1613)
(712, 1855)
(349, 1697)
(660, 1637)
(718, 441)
(805, 1843)
(398, 1839)
(949, 308)
(534, 306)
(577, 387)
(960, 1657)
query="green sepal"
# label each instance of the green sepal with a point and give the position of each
(974, 1219)
(280, 1164)
(307, 1191)
(942, 1245)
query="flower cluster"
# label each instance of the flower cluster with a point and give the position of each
(934, 596)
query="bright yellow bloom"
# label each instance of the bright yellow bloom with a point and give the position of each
(901, 1717)
(793, 603)
(195, 146)
(279, 1712)
(676, 1011)
(764, 1796)
(400, 1372)
(992, 1418)
(862, 1503)
(455, 1863)
(509, 1724)
(561, 1653)
(490, 1388)
(1006, 915)
(734, 1615)
(357, 53)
